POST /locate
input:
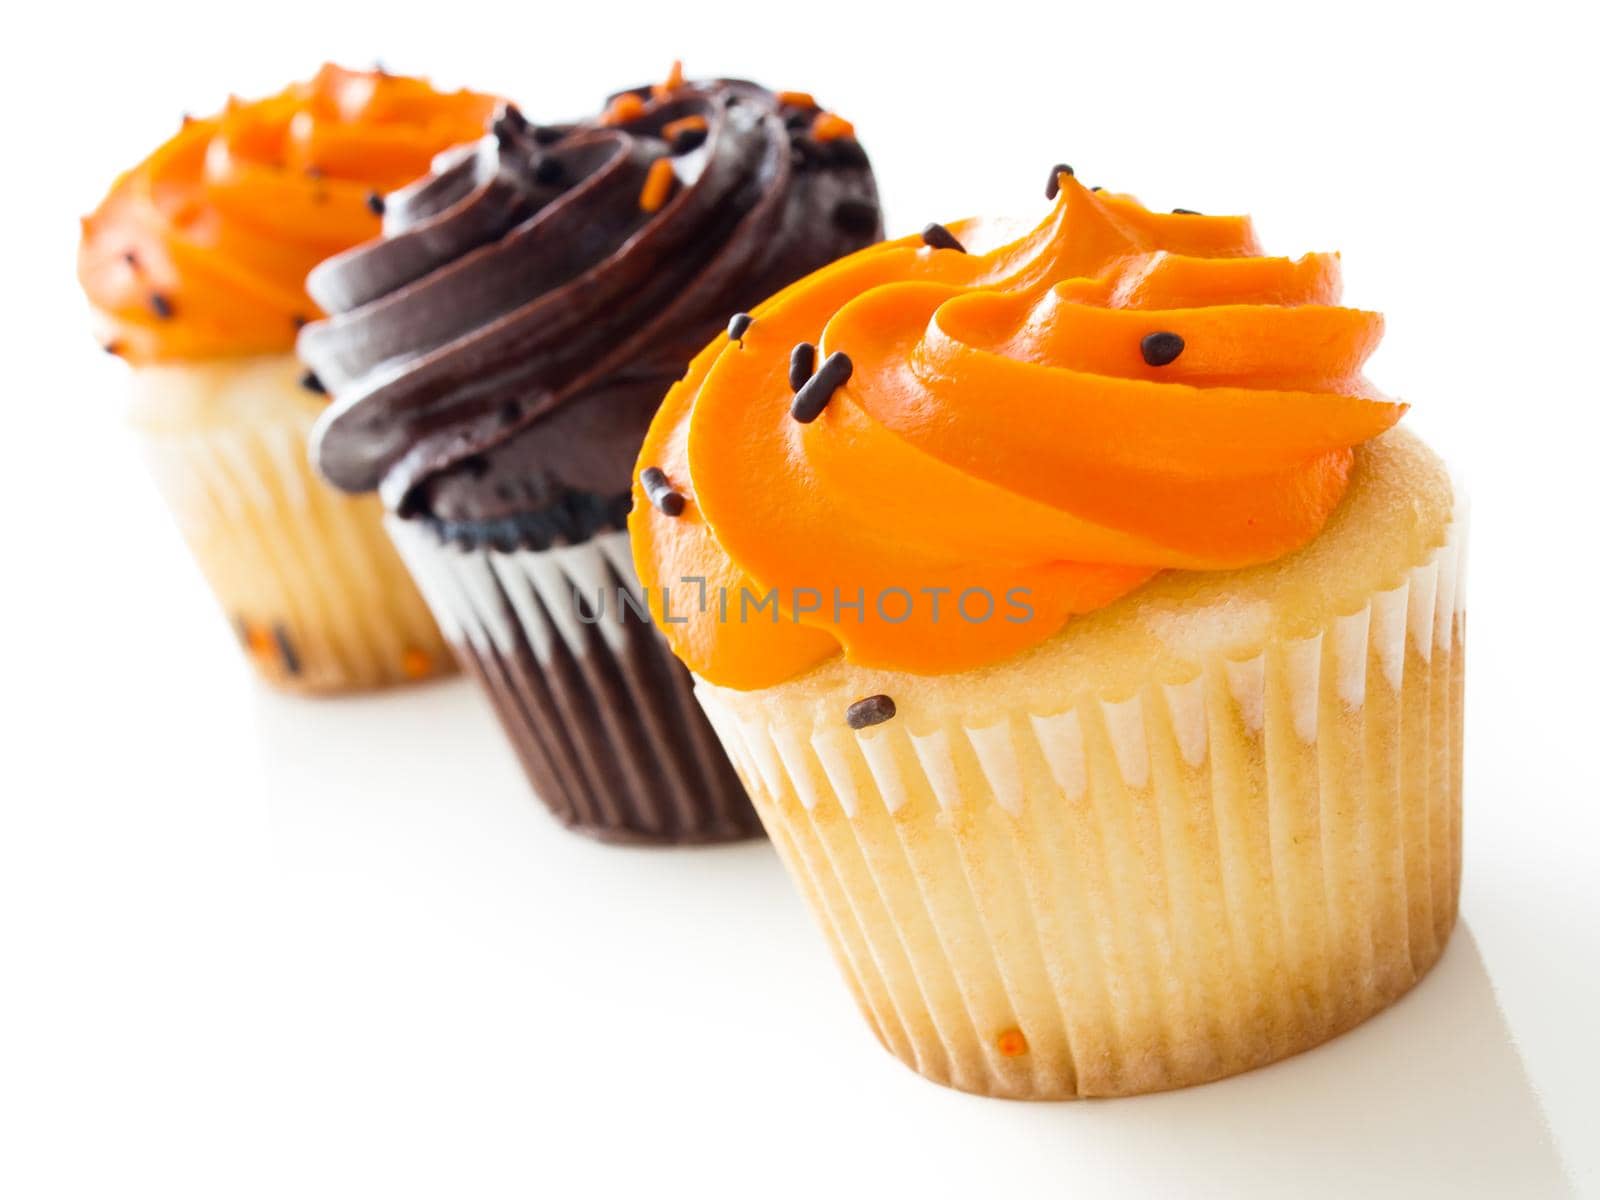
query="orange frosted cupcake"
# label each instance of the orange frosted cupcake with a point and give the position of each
(195, 266)
(1087, 636)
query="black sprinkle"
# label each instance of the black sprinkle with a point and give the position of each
(873, 710)
(815, 393)
(688, 139)
(113, 348)
(940, 238)
(161, 305)
(858, 217)
(549, 171)
(739, 325)
(1053, 187)
(375, 203)
(802, 361)
(661, 493)
(300, 321)
(185, 120)
(1097, 188)
(1186, 212)
(291, 660)
(311, 383)
(1160, 348)
(132, 259)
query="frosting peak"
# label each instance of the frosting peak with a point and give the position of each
(1043, 424)
(202, 250)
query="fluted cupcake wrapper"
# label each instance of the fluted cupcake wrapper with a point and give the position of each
(602, 717)
(1144, 891)
(315, 591)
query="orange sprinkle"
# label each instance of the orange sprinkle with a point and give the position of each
(830, 127)
(798, 99)
(260, 642)
(657, 186)
(672, 82)
(626, 107)
(1012, 1044)
(416, 663)
(682, 125)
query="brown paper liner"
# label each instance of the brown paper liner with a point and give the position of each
(315, 591)
(1136, 893)
(601, 715)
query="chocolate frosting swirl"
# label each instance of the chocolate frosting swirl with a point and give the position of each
(496, 356)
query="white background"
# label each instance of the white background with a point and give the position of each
(254, 946)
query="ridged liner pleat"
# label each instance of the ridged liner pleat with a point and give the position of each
(1153, 890)
(601, 715)
(306, 573)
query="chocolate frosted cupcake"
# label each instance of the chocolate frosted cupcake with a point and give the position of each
(496, 359)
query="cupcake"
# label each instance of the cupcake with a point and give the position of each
(495, 360)
(195, 267)
(1088, 637)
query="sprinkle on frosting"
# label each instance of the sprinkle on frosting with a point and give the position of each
(870, 711)
(829, 127)
(311, 383)
(671, 83)
(661, 492)
(802, 362)
(797, 100)
(815, 393)
(1160, 348)
(624, 107)
(161, 305)
(375, 204)
(1185, 212)
(658, 183)
(940, 238)
(1052, 187)
(739, 325)
(690, 124)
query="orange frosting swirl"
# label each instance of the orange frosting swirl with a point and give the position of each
(202, 250)
(1002, 433)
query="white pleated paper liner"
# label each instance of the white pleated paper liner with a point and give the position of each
(1132, 893)
(602, 716)
(308, 577)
